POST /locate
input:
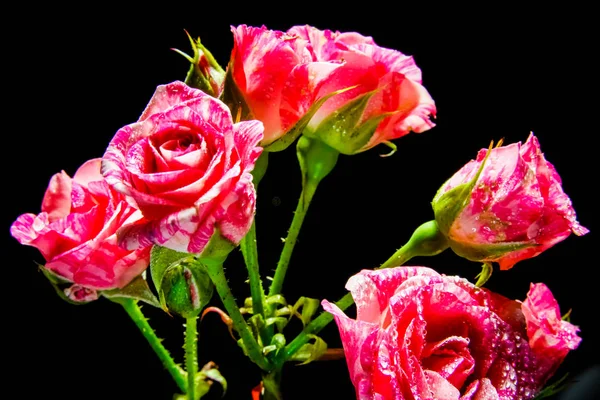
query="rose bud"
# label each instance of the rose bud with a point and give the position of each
(505, 206)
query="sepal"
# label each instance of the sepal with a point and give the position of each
(310, 351)
(345, 130)
(67, 290)
(137, 289)
(234, 99)
(292, 134)
(181, 281)
(448, 206)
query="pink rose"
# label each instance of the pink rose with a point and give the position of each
(515, 210)
(187, 166)
(282, 76)
(389, 100)
(76, 233)
(422, 335)
(261, 64)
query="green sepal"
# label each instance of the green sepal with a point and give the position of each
(391, 146)
(137, 289)
(185, 288)
(234, 99)
(160, 259)
(484, 275)
(310, 351)
(291, 135)
(59, 284)
(489, 251)
(447, 206)
(341, 130)
(181, 280)
(217, 249)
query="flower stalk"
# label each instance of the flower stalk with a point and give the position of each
(316, 161)
(191, 355)
(136, 315)
(217, 275)
(426, 240)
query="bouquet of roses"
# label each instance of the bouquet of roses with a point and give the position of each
(154, 219)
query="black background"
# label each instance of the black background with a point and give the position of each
(76, 75)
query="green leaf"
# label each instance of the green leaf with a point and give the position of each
(215, 375)
(310, 351)
(137, 289)
(309, 308)
(280, 322)
(276, 299)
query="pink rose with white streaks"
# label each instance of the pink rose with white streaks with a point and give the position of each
(282, 76)
(422, 335)
(388, 98)
(515, 210)
(188, 167)
(76, 232)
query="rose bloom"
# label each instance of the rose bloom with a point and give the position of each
(422, 335)
(516, 210)
(261, 64)
(282, 75)
(76, 233)
(188, 168)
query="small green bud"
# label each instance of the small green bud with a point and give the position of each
(185, 288)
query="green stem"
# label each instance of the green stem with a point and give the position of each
(135, 313)
(314, 327)
(217, 275)
(249, 251)
(426, 240)
(290, 241)
(271, 385)
(402, 255)
(191, 355)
